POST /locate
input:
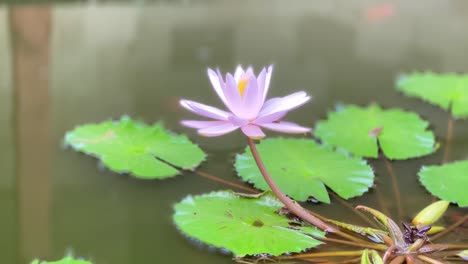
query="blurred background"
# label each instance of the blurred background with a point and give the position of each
(67, 63)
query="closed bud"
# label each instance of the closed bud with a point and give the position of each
(435, 230)
(431, 213)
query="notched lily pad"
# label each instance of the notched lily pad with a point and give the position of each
(449, 91)
(65, 260)
(361, 130)
(448, 181)
(301, 168)
(144, 151)
(244, 226)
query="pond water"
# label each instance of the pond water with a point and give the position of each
(66, 64)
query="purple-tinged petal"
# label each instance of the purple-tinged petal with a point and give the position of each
(270, 118)
(204, 110)
(286, 103)
(270, 102)
(286, 127)
(253, 131)
(233, 97)
(249, 72)
(261, 85)
(267, 81)
(216, 81)
(201, 124)
(237, 121)
(251, 100)
(219, 130)
(238, 73)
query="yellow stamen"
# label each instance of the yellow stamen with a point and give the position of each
(241, 86)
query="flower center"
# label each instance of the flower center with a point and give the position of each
(241, 85)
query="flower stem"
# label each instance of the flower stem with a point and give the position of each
(291, 205)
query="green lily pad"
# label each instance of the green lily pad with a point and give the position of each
(448, 181)
(244, 226)
(361, 130)
(301, 169)
(65, 260)
(128, 146)
(449, 91)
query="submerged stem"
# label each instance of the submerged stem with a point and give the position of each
(381, 202)
(450, 228)
(396, 190)
(455, 246)
(448, 140)
(324, 254)
(232, 184)
(358, 213)
(429, 260)
(291, 205)
(356, 244)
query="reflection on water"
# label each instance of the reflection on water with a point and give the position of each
(63, 65)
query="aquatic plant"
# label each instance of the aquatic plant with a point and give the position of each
(65, 260)
(244, 95)
(259, 225)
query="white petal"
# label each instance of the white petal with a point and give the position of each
(201, 124)
(238, 73)
(219, 130)
(251, 100)
(204, 110)
(253, 131)
(286, 127)
(270, 118)
(286, 103)
(267, 81)
(233, 97)
(217, 83)
(261, 85)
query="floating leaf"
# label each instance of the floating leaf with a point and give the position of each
(245, 226)
(126, 145)
(400, 134)
(371, 233)
(65, 260)
(448, 181)
(301, 168)
(449, 91)
(371, 257)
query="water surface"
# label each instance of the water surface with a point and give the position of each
(66, 64)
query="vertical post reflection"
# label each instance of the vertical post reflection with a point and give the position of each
(30, 36)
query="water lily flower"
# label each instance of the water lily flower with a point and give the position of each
(244, 95)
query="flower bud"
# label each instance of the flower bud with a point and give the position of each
(431, 213)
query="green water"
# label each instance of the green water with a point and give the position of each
(66, 64)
